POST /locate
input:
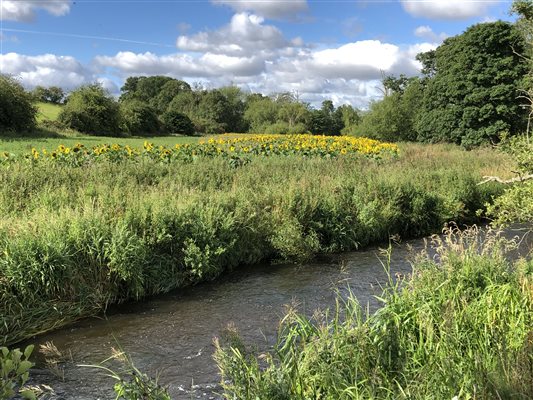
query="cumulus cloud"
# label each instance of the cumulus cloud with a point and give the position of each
(446, 9)
(246, 52)
(46, 70)
(180, 65)
(275, 9)
(425, 32)
(245, 35)
(24, 11)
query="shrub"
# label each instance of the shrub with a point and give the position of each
(176, 122)
(138, 118)
(90, 109)
(17, 112)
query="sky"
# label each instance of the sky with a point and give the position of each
(316, 49)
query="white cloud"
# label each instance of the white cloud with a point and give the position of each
(47, 70)
(245, 35)
(349, 73)
(246, 52)
(24, 11)
(425, 32)
(267, 8)
(180, 65)
(447, 9)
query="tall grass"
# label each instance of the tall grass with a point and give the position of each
(76, 239)
(461, 328)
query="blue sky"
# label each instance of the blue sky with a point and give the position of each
(320, 49)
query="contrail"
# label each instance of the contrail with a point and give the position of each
(73, 35)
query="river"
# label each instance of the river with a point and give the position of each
(171, 336)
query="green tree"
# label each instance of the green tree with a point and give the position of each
(326, 121)
(166, 94)
(350, 118)
(393, 118)
(524, 9)
(260, 112)
(176, 122)
(90, 109)
(138, 118)
(472, 86)
(17, 112)
(236, 102)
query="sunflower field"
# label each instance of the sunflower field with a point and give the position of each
(238, 149)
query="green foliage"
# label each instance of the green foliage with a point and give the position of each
(138, 118)
(472, 86)
(393, 118)
(260, 112)
(14, 373)
(17, 113)
(176, 122)
(74, 240)
(131, 383)
(326, 121)
(156, 91)
(164, 96)
(89, 109)
(460, 328)
(516, 203)
(52, 94)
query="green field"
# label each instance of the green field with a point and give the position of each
(47, 111)
(22, 145)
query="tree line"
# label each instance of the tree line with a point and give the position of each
(468, 93)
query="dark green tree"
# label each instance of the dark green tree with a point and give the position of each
(157, 91)
(524, 10)
(17, 113)
(166, 94)
(138, 118)
(176, 122)
(90, 109)
(472, 86)
(236, 101)
(326, 121)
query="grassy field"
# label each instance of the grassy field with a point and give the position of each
(22, 145)
(47, 111)
(74, 239)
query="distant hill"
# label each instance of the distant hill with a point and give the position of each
(48, 111)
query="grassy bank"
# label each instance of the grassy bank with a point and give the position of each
(47, 111)
(75, 239)
(460, 329)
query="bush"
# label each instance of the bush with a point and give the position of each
(17, 112)
(138, 118)
(176, 122)
(90, 109)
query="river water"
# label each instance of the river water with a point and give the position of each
(171, 336)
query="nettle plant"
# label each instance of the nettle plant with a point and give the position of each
(14, 373)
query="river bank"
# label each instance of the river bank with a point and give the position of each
(75, 240)
(170, 336)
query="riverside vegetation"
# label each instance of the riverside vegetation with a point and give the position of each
(459, 328)
(75, 239)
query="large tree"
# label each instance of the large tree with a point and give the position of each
(17, 112)
(393, 118)
(472, 87)
(90, 109)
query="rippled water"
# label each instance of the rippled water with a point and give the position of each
(171, 336)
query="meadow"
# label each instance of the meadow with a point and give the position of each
(77, 237)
